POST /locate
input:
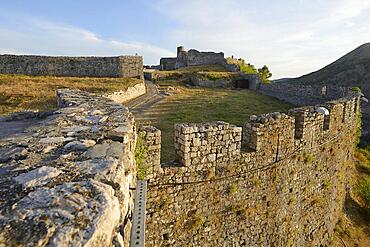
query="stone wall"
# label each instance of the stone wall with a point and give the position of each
(300, 95)
(280, 180)
(129, 94)
(167, 63)
(231, 80)
(67, 180)
(122, 66)
(195, 58)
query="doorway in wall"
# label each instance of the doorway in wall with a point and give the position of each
(244, 83)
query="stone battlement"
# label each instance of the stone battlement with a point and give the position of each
(237, 185)
(272, 135)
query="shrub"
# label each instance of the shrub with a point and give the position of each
(364, 192)
(195, 223)
(308, 159)
(356, 89)
(141, 151)
(325, 184)
(232, 189)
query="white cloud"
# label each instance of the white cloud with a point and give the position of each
(42, 37)
(292, 38)
(348, 9)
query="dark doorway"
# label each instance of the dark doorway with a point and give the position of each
(242, 83)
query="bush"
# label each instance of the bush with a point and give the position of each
(141, 151)
(243, 66)
(196, 223)
(356, 89)
(364, 192)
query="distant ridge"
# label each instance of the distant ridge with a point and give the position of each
(353, 69)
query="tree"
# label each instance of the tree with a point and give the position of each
(265, 74)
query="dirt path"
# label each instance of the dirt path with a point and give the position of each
(144, 102)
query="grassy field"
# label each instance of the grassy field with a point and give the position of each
(20, 92)
(203, 105)
(185, 73)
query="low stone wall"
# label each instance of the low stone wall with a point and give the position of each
(128, 94)
(67, 180)
(231, 80)
(219, 83)
(300, 95)
(122, 66)
(280, 180)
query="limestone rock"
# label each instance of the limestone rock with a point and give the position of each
(37, 177)
(71, 214)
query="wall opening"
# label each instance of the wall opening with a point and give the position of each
(244, 83)
(324, 91)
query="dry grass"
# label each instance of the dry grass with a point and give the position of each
(204, 105)
(20, 92)
(353, 228)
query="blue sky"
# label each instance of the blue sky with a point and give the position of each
(292, 37)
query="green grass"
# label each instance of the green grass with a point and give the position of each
(185, 73)
(204, 105)
(20, 92)
(218, 75)
(203, 68)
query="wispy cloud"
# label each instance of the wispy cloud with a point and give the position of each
(38, 36)
(292, 37)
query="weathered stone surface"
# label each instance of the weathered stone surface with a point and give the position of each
(71, 214)
(37, 177)
(59, 187)
(79, 146)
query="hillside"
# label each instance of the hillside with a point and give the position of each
(353, 69)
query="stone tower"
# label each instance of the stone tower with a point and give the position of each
(180, 49)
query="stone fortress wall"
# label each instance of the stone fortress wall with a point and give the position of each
(280, 180)
(121, 66)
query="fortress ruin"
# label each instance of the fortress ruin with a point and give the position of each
(192, 58)
(279, 179)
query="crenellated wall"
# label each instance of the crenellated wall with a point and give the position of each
(279, 180)
(121, 66)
